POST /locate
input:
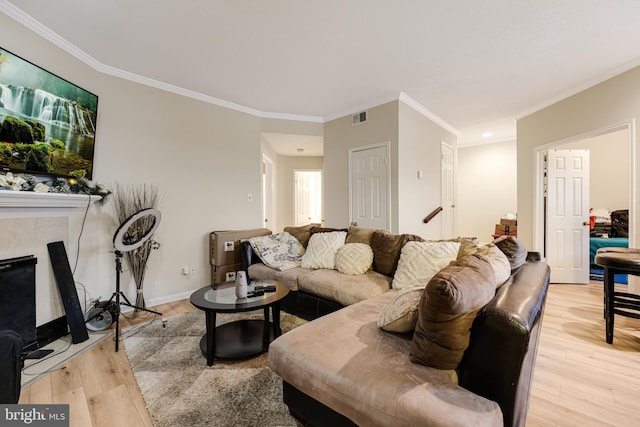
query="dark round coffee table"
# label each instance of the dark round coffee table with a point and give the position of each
(242, 338)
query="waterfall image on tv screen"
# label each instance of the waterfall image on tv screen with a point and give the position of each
(47, 124)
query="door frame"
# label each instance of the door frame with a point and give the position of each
(387, 146)
(268, 192)
(446, 234)
(538, 226)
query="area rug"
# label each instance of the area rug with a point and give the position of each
(179, 388)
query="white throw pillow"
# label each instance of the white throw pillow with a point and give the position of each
(420, 261)
(322, 248)
(498, 261)
(354, 258)
(401, 313)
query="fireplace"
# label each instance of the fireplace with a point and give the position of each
(18, 302)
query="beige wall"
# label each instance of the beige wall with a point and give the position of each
(607, 105)
(487, 179)
(419, 150)
(414, 145)
(340, 136)
(608, 169)
(205, 160)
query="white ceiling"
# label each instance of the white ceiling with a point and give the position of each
(476, 65)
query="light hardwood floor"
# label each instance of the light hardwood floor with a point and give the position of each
(579, 379)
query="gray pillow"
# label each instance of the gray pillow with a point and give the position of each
(514, 249)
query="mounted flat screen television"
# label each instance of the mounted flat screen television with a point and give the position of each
(47, 124)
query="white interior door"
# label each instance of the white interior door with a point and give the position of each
(567, 215)
(307, 197)
(369, 191)
(446, 180)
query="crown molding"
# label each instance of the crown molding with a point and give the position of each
(396, 97)
(428, 114)
(591, 83)
(37, 27)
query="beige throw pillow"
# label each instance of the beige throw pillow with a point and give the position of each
(420, 261)
(322, 248)
(498, 261)
(401, 313)
(354, 258)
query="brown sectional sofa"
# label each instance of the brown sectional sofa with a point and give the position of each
(343, 370)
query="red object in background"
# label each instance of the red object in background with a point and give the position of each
(592, 221)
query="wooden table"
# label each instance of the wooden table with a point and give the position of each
(618, 261)
(242, 338)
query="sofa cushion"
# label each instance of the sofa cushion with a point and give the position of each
(401, 313)
(289, 277)
(420, 261)
(447, 309)
(344, 289)
(359, 235)
(514, 249)
(322, 248)
(347, 363)
(498, 261)
(354, 258)
(281, 251)
(386, 250)
(301, 233)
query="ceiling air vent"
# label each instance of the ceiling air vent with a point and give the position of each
(358, 118)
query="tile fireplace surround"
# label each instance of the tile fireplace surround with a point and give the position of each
(28, 221)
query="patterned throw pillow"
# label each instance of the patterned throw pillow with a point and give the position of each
(322, 248)
(420, 261)
(280, 251)
(354, 258)
(401, 313)
(386, 250)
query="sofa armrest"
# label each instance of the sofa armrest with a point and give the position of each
(498, 364)
(247, 256)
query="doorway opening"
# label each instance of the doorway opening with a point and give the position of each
(603, 161)
(307, 197)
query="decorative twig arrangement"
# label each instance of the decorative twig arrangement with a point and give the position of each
(127, 201)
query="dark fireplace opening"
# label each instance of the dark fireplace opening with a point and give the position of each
(18, 302)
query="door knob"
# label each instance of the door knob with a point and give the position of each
(586, 223)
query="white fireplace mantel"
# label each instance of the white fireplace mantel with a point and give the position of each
(32, 199)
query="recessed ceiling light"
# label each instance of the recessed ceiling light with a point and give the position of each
(300, 150)
(487, 134)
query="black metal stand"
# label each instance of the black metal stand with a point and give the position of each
(119, 294)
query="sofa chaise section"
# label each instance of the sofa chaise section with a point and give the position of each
(341, 369)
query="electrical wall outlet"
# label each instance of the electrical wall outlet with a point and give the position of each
(192, 269)
(229, 246)
(231, 276)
